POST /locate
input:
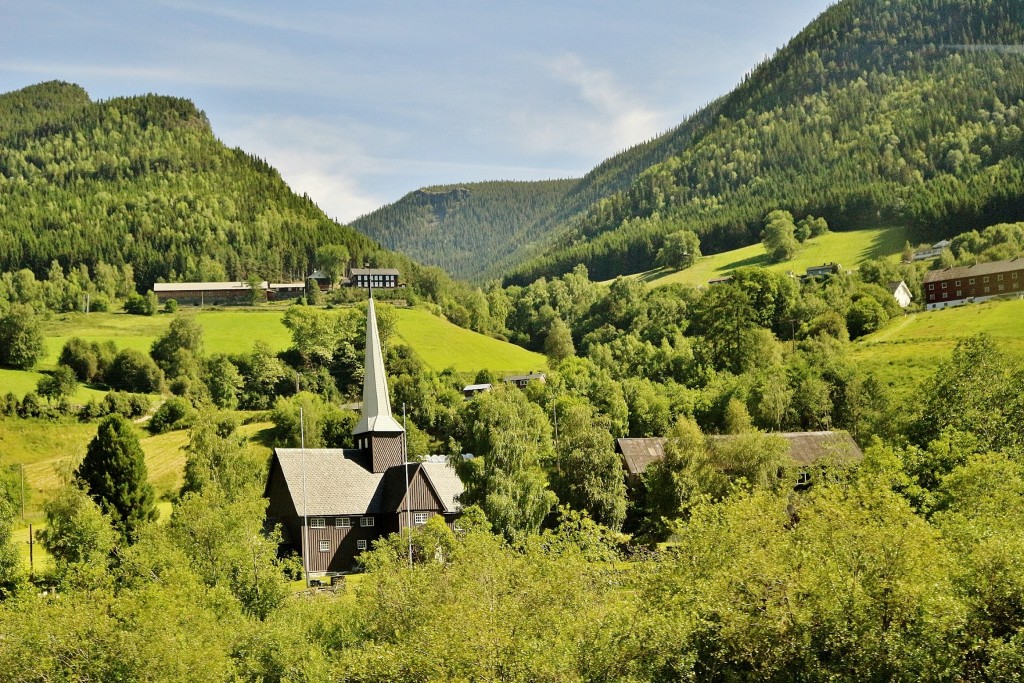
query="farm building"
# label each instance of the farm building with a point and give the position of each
(964, 284)
(223, 293)
(824, 270)
(934, 251)
(378, 278)
(522, 380)
(332, 503)
(901, 293)
(805, 449)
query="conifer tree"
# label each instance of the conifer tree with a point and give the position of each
(114, 474)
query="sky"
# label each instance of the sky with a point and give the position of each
(357, 103)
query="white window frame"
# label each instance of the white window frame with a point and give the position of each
(361, 544)
(324, 546)
(365, 521)
(317, 523)
(420, 518)
(342, 522)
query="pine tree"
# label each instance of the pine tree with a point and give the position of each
(114, 474)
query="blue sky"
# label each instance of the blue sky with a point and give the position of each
(357, 103)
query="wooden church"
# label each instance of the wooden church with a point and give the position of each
(332, 503)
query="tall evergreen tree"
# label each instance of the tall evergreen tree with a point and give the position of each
(114, 474)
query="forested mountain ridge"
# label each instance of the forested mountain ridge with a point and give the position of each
(880, 111)
(483, 230)
(144, 181)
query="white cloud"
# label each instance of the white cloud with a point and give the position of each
(599, 118)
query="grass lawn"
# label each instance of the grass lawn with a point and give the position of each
(442, 345)
(846, 248)
(907, 349)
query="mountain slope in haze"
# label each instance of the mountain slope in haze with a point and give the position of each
(143, 181)
(880, 112)
(483, 230)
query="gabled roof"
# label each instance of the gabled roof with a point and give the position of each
(374, 271)
(376, 414)
(336, 483)
(207, 286)
(805, 448)
(990, 268)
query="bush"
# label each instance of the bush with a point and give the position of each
(132, 370)
(99, 304)
(136, 304)
(175, 413)
(170, 306)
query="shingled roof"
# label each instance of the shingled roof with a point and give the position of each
(338, 483)
(805, 448)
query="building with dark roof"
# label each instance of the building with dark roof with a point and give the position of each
(332, 503)
(805, 449)
(964, 284)
(378, 278)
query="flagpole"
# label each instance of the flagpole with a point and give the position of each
(405, 466)
(305, 517)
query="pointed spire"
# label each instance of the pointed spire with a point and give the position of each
(376, 416)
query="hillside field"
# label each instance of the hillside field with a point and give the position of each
(908, 348)
(848, 249)
(438, 342)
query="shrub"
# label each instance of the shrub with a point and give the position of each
(175, 413)
(132, 370)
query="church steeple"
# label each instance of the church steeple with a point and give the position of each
(377, 434)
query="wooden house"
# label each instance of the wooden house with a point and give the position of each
(900, 292)
(377, 278)
(522, 380)
(804, 448)
(207, 293)
(332, 503)
(963, 284)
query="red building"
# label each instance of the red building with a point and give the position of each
(964, 284)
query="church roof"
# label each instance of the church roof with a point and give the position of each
(337, 483)
(376, 414)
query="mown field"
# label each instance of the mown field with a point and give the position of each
(443, 345)
(908, 348)
(848, 249)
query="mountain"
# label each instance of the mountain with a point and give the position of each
(880, 112)
(144, 181)
(478, 231)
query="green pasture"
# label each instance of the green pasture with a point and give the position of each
(443, 345)
(908, 348)
(848, 249)
(20, 382)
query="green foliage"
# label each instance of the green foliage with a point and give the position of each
(865, 316)
(184, 333)
(779, 236)
(137, 304)
(114, 474)
(511, 438)
(322, 424)
(681, 250)
(21, 338)
(59, 384)
(558, 345)
(132, 370)
(174, 413)
(79, 537)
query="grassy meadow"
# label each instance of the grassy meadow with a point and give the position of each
(438, 342)
(848, 248)
(442, 345)
(907, 349)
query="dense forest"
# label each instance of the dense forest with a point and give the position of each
(880, 112)
(477, 231)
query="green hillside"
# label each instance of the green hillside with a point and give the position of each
(442, 345)
(483, 230)
(907, 349)
(902, 112)
(848, 249)
(438, 342)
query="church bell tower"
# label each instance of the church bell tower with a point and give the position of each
(380, 438)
